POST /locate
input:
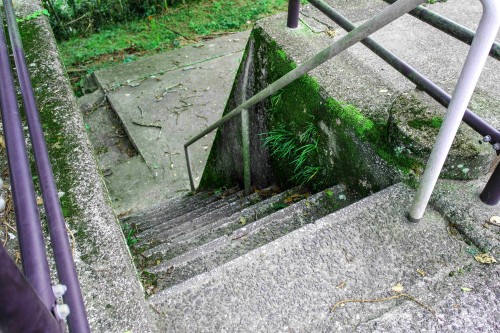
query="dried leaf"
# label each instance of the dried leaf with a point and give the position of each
(495, 220)
(288, 200)
(39, 201)
(421, 272)
(331, 33)
(485, 258)
(398, 288)
(341, 285)
(243, 220)
(2, 142)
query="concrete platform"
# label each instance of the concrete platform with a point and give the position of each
(161, 102)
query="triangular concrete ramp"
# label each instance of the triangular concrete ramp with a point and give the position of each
(162, 101)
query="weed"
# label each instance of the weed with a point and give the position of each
(296, 149)
(130, 233)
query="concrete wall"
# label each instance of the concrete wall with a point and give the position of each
(112, 292)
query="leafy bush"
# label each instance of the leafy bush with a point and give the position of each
(76, 17)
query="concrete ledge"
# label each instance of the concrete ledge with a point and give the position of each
(112, 292)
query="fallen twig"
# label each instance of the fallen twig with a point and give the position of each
(336, 305)
(146, 125)
(149, 125)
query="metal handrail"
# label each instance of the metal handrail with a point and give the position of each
(377, 22)
(449, 27)
(21, 309)
(437, 93)
(31, 241)
(66, 271)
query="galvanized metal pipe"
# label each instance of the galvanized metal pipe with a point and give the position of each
(21, 310)
(31, 242)
(77, 320)
(433, 90)
(476, 59)
(245, 149)
(449, 27)
(379, 21)
(293, 14)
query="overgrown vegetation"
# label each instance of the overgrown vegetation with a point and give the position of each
(295, 150)
(90, 44)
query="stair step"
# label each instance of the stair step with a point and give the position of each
(162, 224)
(218, 228)
(175, 208)
(359, 252)
(250, 237)
(166, 235)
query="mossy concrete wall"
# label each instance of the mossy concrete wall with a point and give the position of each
(341, 136)
(369, 133)
(112, 292)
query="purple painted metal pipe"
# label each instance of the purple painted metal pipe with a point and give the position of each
(449, 27)
(491, 192)
(77, 320)
(29, 230)
(21, 310)
(293, 14)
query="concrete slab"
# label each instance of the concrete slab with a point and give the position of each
(459, 202)
(359, 252)
(161, 102)
(175, 107)
(134, 72)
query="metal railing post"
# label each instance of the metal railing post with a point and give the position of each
(245, 149)
(188, 162)
(491, 192)
(293, 14)
(21, 310)
(66, 271)
(476, 59)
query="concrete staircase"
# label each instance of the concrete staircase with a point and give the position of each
(192, 235)
(249, 280)
(277, 261)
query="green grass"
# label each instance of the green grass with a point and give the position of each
(295, 150)
(177, 26)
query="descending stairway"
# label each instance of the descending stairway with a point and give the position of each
(251, 281)
(191, 235)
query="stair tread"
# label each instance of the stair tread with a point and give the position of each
(208, 232)
(195, 212)
(174, 208)
(248, 238)
(293, 282)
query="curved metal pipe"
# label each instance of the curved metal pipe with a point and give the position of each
(377, 22)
